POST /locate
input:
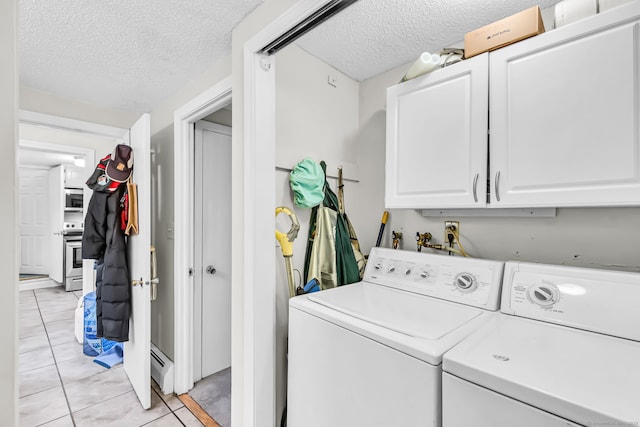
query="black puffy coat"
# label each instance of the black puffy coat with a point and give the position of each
(104, 241)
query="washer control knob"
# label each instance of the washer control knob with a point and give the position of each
(391, 269)
(407, 272)
(543, 294)
(465, 282)
(377, 267)
(425, 274)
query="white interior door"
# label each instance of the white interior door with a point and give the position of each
(212, 322)
(137, 351)
(56, 222)
(34, 221)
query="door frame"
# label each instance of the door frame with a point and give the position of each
(78, 126)
(257, 264)
(88, 154)
(198, 313)
(185, 117)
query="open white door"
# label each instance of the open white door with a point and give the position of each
(137, 351)
(56, 220)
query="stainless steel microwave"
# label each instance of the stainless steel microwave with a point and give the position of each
(73, 199)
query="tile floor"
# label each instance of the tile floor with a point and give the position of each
(60, 386)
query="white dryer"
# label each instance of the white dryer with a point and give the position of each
(370, 354)
(565, 351)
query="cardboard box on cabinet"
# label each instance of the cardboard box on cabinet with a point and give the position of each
(504, 32)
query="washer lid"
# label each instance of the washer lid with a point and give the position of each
(581, 376)
(400, 311)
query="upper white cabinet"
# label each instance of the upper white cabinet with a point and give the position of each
(565, 115)
(73, 177)
(436, 153)
(564, 111)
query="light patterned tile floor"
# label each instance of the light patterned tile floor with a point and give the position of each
(61, 387)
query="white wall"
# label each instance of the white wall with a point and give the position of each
(162, 199)
(55, 105)
(162, 114)
(589, 237)
(101, 145)
(8, 218)
(314, 119)
(317, 121)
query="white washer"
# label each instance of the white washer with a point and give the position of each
(565, 351)
(369, 354)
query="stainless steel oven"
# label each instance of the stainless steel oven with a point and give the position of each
(73, 262)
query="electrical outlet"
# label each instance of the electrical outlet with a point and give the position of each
(449, 225)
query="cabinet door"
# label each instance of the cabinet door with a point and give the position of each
(436, 154)
(73, 177)
(565, 111)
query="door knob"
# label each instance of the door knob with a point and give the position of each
(211, 269)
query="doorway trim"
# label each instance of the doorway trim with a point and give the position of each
(88, 155)
(71, 125)
(201, 274)
(184, 118)
(78, 126)
(257, 265)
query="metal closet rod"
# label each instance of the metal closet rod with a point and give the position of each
(306, 25)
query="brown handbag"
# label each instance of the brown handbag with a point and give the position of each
(132, 217)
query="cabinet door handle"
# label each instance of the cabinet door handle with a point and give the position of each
(496, 184)
(475, 187)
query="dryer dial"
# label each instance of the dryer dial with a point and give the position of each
(465, 282)
(543, 294)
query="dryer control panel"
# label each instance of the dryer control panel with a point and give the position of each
(465, 280)
(595, 300)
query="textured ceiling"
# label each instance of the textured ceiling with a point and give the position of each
(373, 36)
(128, 55)
(131, 55)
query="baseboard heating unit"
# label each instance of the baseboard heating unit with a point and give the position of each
(161, 370)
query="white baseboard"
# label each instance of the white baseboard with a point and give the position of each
(162, 370)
